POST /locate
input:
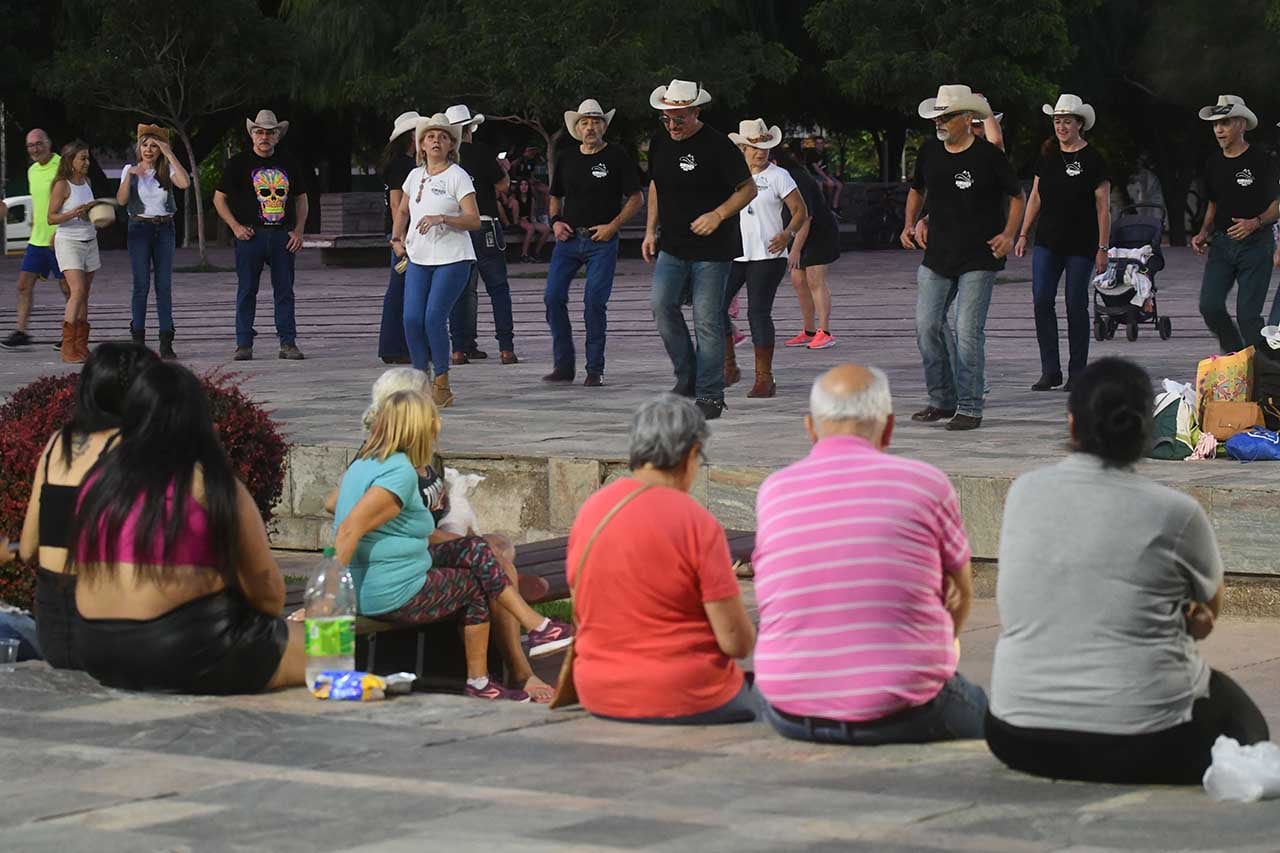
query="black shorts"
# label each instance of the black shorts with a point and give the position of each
(215, 644)
(822, 247)
(55, 616)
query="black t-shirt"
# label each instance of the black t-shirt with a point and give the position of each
(481, 163)
(1242, 187)
(966, 194)
(1068, 212)
(693, 177)
(393, 178)
(592, 186)
(822, 220)
(262, 192)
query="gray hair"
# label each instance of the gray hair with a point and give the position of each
(391, 381)
(872, 404)
(664, 430)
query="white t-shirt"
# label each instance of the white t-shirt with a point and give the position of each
(762, 218)
(154, 196)
(441, 194)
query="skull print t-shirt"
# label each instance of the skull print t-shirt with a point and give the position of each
(694, 176)
(1068, 223)
(967, 194)
(1242, 187)
(263, 191)
(593, 186)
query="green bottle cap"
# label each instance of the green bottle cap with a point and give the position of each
(330, 551)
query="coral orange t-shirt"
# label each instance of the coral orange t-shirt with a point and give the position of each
(644, 646)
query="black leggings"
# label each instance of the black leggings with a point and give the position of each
(1174, 756)
(762, 279)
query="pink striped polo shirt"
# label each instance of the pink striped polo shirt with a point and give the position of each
(851, 544)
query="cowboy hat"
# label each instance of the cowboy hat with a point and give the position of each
(756, 133)
(1230, 106)
(266, 120)
(461, 114)
(588, 108)
(161, 133)
(404, 123)
(103, 212)
(1071, 105)
(439, 121)
(954, 99)
(678, 95)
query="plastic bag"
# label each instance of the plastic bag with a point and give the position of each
(1254, 445)
(1185, 390)
(350, 686)
(1245, 774)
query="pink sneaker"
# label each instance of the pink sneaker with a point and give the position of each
(738, 337)
(494, 690)
(822, 340)
(550, 639)
(800, 340)
(733, 308)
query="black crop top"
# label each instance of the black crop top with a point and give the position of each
(58, 505)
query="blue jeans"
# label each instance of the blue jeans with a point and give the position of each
(1046, 269)
(266, 246)
(746, 706)
(391, 343)
(20, 627)
(962, 388)
(429, 295)
(958, 711)
(151, 246)
(698, 371)
(491, 264)
(1246, 265)
(566, 258)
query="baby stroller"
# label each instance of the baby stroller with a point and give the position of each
(1126, 292)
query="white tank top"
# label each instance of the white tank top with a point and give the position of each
(77, 229)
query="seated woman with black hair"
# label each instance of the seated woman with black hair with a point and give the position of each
(68, 457)
(1106, 581)
(176, 586)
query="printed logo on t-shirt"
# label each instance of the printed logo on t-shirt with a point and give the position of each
(762, 183)
(1074, 169)
(964, 180)
(688, 163)
(271, 187)
(599, 170)
(1244, 177)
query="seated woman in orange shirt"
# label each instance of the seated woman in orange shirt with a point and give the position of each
(660, 617)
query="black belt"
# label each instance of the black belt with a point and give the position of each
(584, 233)
(154, 220)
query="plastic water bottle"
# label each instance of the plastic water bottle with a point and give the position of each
(331, 619)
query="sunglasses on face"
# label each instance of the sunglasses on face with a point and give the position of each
(947, 118)
(673, 120)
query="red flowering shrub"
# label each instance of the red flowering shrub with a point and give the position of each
(34, 412)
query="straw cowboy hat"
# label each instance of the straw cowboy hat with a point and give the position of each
(103, 212)
(954, 99)
(757, 134)
(266, 120)
(460, 114)
(161, 133)
(405, 122)
(1230, 106)
(1071, 105)
(678, 95)
(589, 107)
(439, 121)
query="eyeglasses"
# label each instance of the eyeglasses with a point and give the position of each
(946, 117)
(676, 120)
(262, 131)
(41, 144)
(702, 457)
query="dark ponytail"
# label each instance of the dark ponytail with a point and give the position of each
(1111, 409)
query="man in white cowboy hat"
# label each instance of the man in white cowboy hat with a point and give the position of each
(398, 161)
(262, 197)
(588, 188)
(1240, 186)
(489, 177)
(966, 181)
(698, 182)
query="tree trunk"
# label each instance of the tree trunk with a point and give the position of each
(195, 186)
(895, 141)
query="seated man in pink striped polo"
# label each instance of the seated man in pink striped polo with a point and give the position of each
(863, 580)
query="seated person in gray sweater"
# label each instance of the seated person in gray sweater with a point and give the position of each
(1107, 579)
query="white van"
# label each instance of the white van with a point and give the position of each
(18, 221)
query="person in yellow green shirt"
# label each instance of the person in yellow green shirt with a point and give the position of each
(38, 262)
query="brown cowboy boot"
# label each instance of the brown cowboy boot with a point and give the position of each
(764, 386)
(82, 340)
(440, 392)
(731, 372)
(70, 355)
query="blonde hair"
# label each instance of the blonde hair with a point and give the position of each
(391, 381)
(407, 422)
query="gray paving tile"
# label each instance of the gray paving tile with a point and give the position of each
(625, 832)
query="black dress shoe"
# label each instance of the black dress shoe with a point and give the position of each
(559, 375)
(1070, 384)
(711, 409)
(1047, 381)
(593, 380)
(477, 354)
(683, 390)
(929, 414)
(963, 422)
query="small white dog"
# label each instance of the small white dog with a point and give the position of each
(461, 518)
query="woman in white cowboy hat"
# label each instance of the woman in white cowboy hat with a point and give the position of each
(430, 228)
(763, 261)
(76, 245)
(395, 165)
(1071, 197)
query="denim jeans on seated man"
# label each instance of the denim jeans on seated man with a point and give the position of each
(567, 257)
(746, 706)
(699, 371)
(266, 246)
(959, 389)
(957, 712)
(491, 265)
